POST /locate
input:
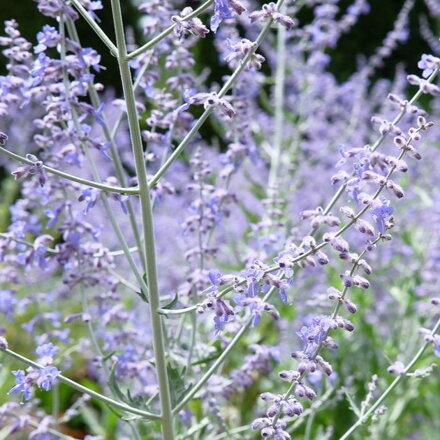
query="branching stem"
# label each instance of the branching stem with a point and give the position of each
(147, 224)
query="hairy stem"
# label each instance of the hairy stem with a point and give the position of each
(147, 224)
(119, 405)
(99, 32)
(98, 185)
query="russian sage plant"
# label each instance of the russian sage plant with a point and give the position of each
(261, 277)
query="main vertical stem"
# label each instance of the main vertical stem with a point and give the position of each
(147, 224)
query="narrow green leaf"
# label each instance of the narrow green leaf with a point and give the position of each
(138, 401)
(352, 403)
(108, 356)
(172, 303)
(141, 293)
(177, 385)
(113, 385)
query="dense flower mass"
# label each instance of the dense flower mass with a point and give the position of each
(241, 239)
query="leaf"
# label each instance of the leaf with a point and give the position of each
(172, 303)
(177, 385)
(206, 359)
(138, 401)
(113, 411)
(132, 417)
(143, 296)
(209, 358)
(113, 385)
(108, 356)
(352, 403)
(141, 293)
